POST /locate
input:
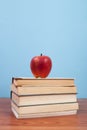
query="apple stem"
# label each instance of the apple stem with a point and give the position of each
(41, 54)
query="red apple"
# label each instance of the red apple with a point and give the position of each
(41, 66)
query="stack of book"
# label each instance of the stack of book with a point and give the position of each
(32, 97)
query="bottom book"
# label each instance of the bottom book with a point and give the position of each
(44, 114)
(44, 110)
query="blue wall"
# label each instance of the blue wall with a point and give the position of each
(57, 28)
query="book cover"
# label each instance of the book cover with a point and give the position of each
(31, 90)
(43, 99)
(43, 82)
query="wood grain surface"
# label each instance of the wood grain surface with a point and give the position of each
(74, 122)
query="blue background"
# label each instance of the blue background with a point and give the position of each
(57, 28)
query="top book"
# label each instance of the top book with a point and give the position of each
(34, 82)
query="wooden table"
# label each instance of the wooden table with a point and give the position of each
(74, 122)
